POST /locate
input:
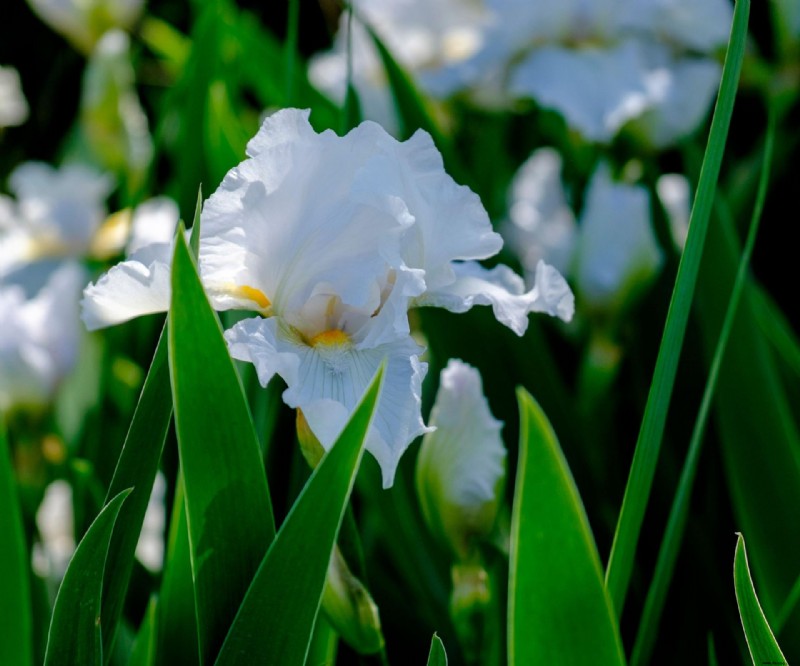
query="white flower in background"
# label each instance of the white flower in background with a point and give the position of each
(55, 216)
(331, 239)
(39, 336)
(84, 22)
(611, 248)
(13, 107)
(112, 119)
(423, 36)
(56, 524)
(461, 464)
(139, 285)
(599, 64)
(150, 547)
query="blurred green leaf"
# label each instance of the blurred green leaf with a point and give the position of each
(555, 585)
(760, 640)
(673, 534)
(177, 623)
(645, 457)
(437, 656)
(277, 616)
(75, 631)
(136, 469)
(16, 632)
(227, 501)
(144, 647)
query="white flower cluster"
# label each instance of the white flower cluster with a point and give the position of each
(610, 249)
(599, 64)
(331, 240)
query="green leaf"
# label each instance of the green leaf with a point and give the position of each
(437, 656)
(763, 647)
(673, 534)
(143, 652)
(16, 630)
(277, 616)
(227, 501)
(136, 469)
(555, 586)
(177, 624)
(645, 457)
(75, 632)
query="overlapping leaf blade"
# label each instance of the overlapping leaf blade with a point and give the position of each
(763, 647)
(227, 501)
(75, 635)
(277, 616)
(559, 610)
(437, 656)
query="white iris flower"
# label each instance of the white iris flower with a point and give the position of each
(331, 240)
(13, 107)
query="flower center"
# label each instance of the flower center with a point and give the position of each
(331, 338)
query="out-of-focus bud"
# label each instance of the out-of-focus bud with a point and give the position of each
(112, 119)
(13, 107)
(461, 465)
(84, 22)
(349, 607)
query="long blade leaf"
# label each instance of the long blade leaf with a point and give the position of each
(228, 508)
(645, 457)
(75, 636)
(277, 616)
(555, 585)
(673, 535)
(763, 647)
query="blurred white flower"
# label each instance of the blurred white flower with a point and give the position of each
(139, 285)
(423, 36)
(461, 464)
(13, 107)
(39, 336)
(84, 22)
(599, 64)
(150, 547)
(611, 249)
(55, 216)
(56, 524)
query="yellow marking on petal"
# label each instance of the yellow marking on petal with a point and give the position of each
(332, 338)
(110, 238)
(252, 294)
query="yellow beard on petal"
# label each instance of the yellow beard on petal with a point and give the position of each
(332, 338)
(252, 294)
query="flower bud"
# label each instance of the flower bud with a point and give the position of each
(461, 465)
(349, 607)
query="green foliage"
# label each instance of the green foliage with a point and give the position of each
(555, 578)
(276, 618)
(437, 655)
(219, 453)
(75, 635)
(645, 457)
(763, 647)
(15, 611)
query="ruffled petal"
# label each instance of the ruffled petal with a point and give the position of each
(326, 383)
(505, 291)
(132, 288)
